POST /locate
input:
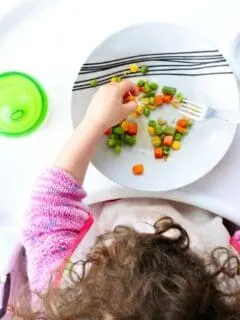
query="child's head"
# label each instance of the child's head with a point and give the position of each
(148, 276)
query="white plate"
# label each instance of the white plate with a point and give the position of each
(188, 62)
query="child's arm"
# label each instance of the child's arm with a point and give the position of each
(57, 215)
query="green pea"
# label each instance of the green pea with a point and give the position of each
(170, 130)
(146, 112)
(169, 90)
(178, 136)
(112, 143)
(129, 140)
(141, 83)
(147, 89)
(180, 96)
(152, 100)
(118, 149)
(159, 129)
(144, 69)
(149, 95)
(118, 130)
(166, 150)
(152, 123)
(94, 82)
(153, 85)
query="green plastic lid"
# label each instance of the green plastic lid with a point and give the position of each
(23, 104)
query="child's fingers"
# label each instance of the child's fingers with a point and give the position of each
(130, 106)
(126, 86)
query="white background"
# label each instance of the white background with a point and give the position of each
(50, 39)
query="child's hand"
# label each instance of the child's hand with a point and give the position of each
(107, 108)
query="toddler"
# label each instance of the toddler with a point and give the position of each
(135, 259)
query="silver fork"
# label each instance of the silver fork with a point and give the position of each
(198, 112)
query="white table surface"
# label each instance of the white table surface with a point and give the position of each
(50, 39)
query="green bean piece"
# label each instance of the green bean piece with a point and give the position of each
(159, 129)
(170, 130)
(152, 123)
(118, 130)
(117, 149)
(129, 140)
(149, 95)
(94, 82)
(144, 69)
(166, 150)
(141, 83)
(146, 112)
(152, 100)
(153, 85)
(179, 97)
(169, 90)
(178, 136)
(112, 143)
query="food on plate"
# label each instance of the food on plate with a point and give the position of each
(138, 169)
(94, 82)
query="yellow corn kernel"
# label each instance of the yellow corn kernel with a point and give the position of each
(145, 101)
(152, 107)
(134, 114)
(156, 141)
(176, 145)
(139, 110)
(133, 67)
(151, 131)
(124, 125)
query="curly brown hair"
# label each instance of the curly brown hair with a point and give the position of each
(140, 276)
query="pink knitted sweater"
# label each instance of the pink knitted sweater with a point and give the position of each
(54, 220)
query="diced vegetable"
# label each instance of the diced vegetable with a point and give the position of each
(138, 169)
(112, 143)
(176, 145)
(156, 141)
(158, 153)
(179, 96)
(124, 125)
(118, 130)
(141, 83)
(129, 140)
(167, 98)
(169, 130)
(178, 136)
(132, 128)
(182, 123)
(147, 89)
(146, 112)
(94, 82)
(153, 85)
(151, 100)
(159, 100)
(139, 110)
(171, 91)
(145, 101)
(151, 131)
(166, 150)
(108, 132)
(149, 95)
(158, 129)
(118, 149)
(140, 89)
(152, 123)
(133, 67)
(167, 141)
(190, 123)
(144, 69)
(180, 129)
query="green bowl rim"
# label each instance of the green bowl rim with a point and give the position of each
(44, 97)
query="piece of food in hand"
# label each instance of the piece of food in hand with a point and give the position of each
(129, 140)
(112, 142)
(124, 125)
(171, 91)
(138, 169)
(134, 67)
(118, 130)
(176, 145)
(132, 128)
(167, 98)
(168, 141)
(140, 110)
(158, 153)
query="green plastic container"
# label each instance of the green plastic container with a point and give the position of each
(23, 104)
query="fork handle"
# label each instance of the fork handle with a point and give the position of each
(232, 116)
